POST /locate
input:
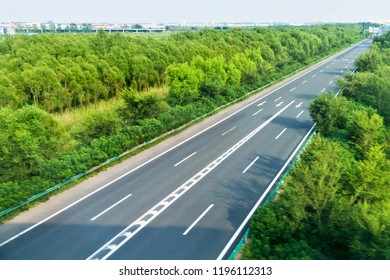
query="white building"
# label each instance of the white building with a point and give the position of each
(373, 30)
(7, 29)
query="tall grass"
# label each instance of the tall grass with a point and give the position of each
(71, 117)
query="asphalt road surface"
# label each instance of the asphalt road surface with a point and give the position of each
(192, 200)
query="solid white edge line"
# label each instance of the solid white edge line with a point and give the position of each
(241, 227)
(280, 134)
(109, 208)
(198, 219)
(250, 165)
(184, 159)
(172, 148)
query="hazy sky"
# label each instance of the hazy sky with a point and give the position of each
(159, 11)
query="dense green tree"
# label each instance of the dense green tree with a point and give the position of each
(92, 84)
(8, 93)
(247, 67)
(142, 73)
(365, 129)
(371, 227)
(371, 89)
(28, 136)
(42, 84)
(314, 184)
(368, 61)
(140, 106)
(183, 82)
(369, 178)
(328, 112)
(96, 125)
(213, 76)
(233, 75)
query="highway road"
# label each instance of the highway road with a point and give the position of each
(192, 200)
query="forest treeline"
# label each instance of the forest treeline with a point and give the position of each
(62, 71)
(161, 83)
(335, 204)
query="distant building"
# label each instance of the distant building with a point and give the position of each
(7, 29)
(296, 24)
(374, 30)
(3, 31)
